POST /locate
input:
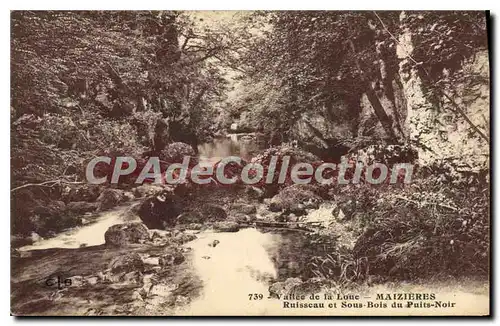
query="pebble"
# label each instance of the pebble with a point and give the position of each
(214, 243)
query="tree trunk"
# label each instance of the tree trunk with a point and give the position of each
(374, 100)
(380, 111)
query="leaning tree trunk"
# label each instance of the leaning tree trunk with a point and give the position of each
(388, 70)
(374, 100)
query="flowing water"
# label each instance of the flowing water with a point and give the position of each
(91, 234)
(237, 272)
(238, 266)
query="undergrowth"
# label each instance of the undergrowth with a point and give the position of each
(431, 228)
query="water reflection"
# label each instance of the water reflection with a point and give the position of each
(244, 145)
(241, 264)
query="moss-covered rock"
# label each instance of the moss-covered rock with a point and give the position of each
(296, 199)
(124, 234)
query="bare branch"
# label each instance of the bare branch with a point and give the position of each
(46, 184)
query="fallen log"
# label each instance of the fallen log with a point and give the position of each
(284, 225)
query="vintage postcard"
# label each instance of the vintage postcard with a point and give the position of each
(250, 163)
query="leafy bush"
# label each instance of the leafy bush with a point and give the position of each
(428, 229)
(432, 228)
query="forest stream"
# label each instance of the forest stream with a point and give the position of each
(235, 272)
(229, 265)
(231, 272)
(240, 264)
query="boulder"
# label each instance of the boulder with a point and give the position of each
(226, 226)
(124, 234)
(175, 152)
(264, 213)
(124, 264)
(154, 261)
(241, 218)
(160, 238)
(148, 190)
(86, 192)
(19, 240)
(295, 199)
(109, 198)
(128, 195)
(193, 226)
(243, 208)
(214, 243)
(292, 218)
(52, 208)
(173, 258)
(53, 217)
(159, 212)
(295, 154)
(182, 238)
(319, 134)
(190, 217)
(81, 207)
(213, 212)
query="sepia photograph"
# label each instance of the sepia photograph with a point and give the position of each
(250, 163)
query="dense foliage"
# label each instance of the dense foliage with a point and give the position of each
(321, 63)
(90, 82)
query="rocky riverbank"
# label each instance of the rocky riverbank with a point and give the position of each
(131, 269)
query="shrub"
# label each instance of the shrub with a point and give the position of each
(429, 229)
